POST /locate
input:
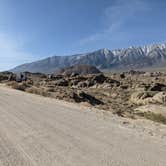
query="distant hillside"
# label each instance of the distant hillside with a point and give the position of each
(130, 58)
(78, 69)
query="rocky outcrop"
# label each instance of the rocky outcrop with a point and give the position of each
(160, 98)
(143, 98)
(84, 97)
(120, 93)
(78, 70)
(61, 82)
(157, 87)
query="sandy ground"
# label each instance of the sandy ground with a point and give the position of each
(38, 131)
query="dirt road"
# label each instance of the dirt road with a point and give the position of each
(38, 131)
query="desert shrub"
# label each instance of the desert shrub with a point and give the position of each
(18, 86)
(3, 77)
(154, 117)
(38, 91)
(11, 83)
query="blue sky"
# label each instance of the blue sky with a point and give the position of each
(34, 29)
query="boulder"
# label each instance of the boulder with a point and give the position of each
(82, 84)
(157, 87)
(160, 98)
(112, 81)
(99, 78)
(74, 74)
(90, 99)
(122, 75)
(61, 82)
(141, 98)
(84, 97)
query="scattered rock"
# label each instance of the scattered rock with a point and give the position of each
(98, 79)
(126, 122)
(62, 82)
(78, 70)
(124, 86)
(90, 99)
(157, 87)
(141, 98)
(84, 97)
(120, 93)
(160, 98)
(82, 84)
(122, 75)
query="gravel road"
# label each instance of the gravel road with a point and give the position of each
(38, 131)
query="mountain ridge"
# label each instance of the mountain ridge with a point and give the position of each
(125, 58)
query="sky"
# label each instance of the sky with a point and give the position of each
(35, 29)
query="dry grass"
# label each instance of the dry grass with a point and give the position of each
(38, 91)
(25, 86)
(154, 117)
(18, 86)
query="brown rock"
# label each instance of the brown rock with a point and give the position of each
(62, 82)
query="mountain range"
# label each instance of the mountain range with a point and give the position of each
(104, 59)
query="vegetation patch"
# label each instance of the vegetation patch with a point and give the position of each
(153, 116)
(38, 91)
(19, 86)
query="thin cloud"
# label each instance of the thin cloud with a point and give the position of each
(12, 53)
(115, 16)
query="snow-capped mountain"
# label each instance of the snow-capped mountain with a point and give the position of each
(130, 58)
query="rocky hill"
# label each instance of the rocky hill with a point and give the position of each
(78, 69)
(130, 58)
